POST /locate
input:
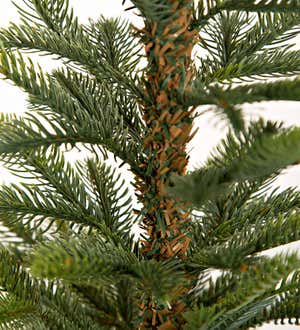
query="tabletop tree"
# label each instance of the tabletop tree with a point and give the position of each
(74, 262)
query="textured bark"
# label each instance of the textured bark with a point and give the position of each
(168, 49)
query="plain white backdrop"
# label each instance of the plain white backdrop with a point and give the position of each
(14, 100)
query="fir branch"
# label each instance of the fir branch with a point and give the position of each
(269, 224)
(211, 291)
(114, 41)
(232, 39)
(255, 218)
(282, 90)
(17, 314)
(109, 303)
(83, 90)
(232, 114)
(43, 129)
(274, 64)
(49, 302)
(65, 196)
(72, 96)
(270, 234)
(285, 306)
(254, 154)
(223, 36)
(44, 40)
(272, 31)
(223, 107)
(113, 200)
(22, 135)
(56, 15)
(270, 208)
(254, 291)
(285, 90)
(85, 261)
(70, 47)
(53, 173)
(86, 195)
(34, 206)
(207, 9)
(89, 261)
(219, 218)
(243, 244)
(236, 46)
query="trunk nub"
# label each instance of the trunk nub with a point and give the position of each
(168, 49)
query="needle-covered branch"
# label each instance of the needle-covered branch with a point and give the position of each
(76, 98)
(89, 261)
(254, 291)
(70, 40)
(90, 197)
(282, 90)
(53, 302)
(207, 9)
(260, 151)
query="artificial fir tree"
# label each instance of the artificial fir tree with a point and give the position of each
(76, 264)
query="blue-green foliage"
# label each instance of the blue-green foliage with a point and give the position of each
(68, 257)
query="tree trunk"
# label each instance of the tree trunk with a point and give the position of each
(168, 49)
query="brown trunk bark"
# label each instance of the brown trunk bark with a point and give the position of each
(170, 71)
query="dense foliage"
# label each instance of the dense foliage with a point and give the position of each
(74, 262)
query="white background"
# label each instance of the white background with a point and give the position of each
(13, 100)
